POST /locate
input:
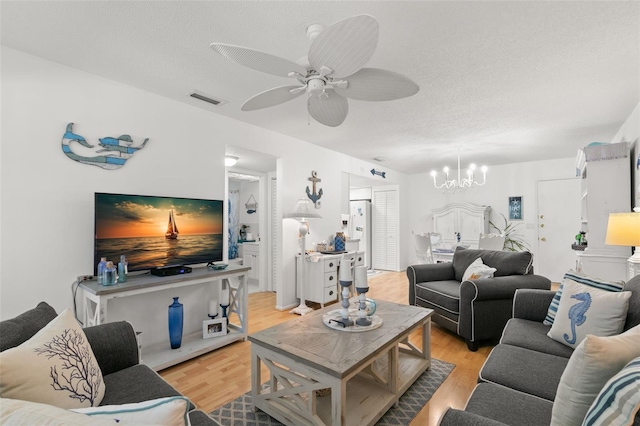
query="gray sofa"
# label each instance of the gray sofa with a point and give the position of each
(116, 350)
(519, 380)
(476, 310)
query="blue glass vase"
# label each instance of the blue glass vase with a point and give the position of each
(176, 313)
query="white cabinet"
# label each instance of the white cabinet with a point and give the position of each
(469, 220)
(250, 257)
(321, 275)
(607, 190)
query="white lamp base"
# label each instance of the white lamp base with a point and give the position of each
(633, 264)
(301, 310)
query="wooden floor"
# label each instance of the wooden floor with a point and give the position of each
(218, 377)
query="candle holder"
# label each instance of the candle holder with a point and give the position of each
(213, 316)
(224, 315)
(345, 281)
(362, 287)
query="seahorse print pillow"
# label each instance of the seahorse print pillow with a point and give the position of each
(56, 366)
(586, 310)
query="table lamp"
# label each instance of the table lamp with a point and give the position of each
(303, 210)
(623, 229)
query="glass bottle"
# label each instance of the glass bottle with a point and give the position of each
(110, 274)
(122, 269)
(100, 272)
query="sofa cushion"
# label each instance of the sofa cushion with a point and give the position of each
(478, 270)
(506, 262)
(633, 313)
(136, 384)
(584, 280)
(56, 366)
(15, 331)
(508, 406)
(533, 335)
(171, 411)
(586, 310)
(524, 370)
(16, 412)
(441, 294)
(592, 364)
(619, 400)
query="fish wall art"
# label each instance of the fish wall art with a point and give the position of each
(111, 153)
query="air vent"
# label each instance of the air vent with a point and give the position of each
(206, 98)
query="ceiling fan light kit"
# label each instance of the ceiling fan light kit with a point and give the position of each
(335, 72)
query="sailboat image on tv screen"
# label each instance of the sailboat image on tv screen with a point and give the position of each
(172, 228)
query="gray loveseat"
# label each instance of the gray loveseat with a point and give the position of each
(116, 350)
(475, 309)
(519, 380)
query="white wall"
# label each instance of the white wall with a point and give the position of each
(47, 199)
(630, 132)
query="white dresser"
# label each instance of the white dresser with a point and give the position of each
(469, 220)
(321, 275)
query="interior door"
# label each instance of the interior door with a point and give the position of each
(384, 207)
(558, 223)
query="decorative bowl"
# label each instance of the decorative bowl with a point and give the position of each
(218, 266)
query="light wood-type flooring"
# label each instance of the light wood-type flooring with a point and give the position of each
(218, 377)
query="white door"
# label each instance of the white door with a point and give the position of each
(558, 224)
(384, 207)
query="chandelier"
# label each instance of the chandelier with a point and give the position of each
(460, 183)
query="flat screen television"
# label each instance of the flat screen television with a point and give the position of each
(157, 231)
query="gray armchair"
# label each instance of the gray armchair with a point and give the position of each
(477, 309)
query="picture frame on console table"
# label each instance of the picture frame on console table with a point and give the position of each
(214, 328)
(515, 208)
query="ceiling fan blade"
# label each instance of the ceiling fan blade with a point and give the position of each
(257, 60)
(372, 84)
(271, 97)
(330, 111)
(345, 46)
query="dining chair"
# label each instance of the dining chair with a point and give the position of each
(491, 242)
(423, 248)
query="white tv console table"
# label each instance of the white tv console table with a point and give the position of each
(160, 356)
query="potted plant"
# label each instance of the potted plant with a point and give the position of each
(513, 241)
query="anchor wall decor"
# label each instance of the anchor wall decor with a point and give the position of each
(314, 196)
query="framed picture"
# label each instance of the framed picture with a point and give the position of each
(213, 328)
(515, 208)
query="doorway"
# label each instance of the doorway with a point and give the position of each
(249, 228)
(558, 223)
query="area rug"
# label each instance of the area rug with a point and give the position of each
(239, 412)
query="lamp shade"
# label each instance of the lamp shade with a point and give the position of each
(623, 229)
(304, 210)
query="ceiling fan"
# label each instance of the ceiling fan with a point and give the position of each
(334, 71)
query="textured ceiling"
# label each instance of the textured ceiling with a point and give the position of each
(503, 81)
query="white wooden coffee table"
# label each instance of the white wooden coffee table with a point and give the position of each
(321, 376)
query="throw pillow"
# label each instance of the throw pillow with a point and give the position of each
(619, 400)
(56, 366)
(171, 411)
(478, 270)
(16, 412)
(594, 361)
(586, 310)
(582, 279)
